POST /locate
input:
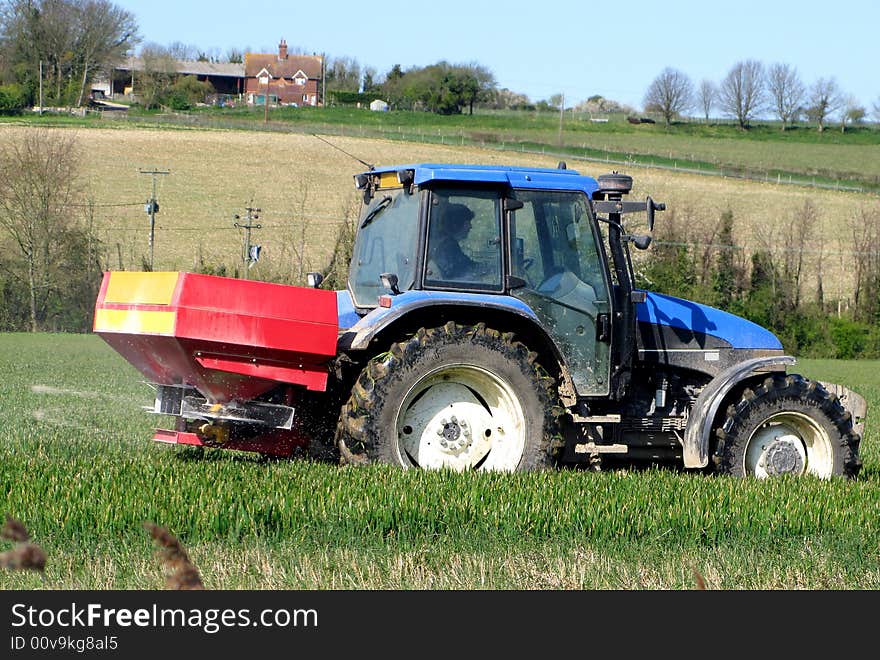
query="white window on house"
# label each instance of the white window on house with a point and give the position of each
(299, 81)
(305, 98)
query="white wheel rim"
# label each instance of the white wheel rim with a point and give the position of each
(789, 443)
(460, 417)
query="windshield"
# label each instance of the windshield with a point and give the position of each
(387, 242)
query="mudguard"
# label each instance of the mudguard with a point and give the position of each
(359, 336)
(699, 426)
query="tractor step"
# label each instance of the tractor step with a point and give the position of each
(593, 448)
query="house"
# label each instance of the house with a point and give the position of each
(379, 106)
(288, 79)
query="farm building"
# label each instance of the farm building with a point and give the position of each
(289, 79)
(379, 106)
(226, 78)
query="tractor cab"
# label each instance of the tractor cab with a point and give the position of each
(501, 233)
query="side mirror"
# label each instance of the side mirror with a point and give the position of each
(650, 207)
(389, 281)
(641, 242)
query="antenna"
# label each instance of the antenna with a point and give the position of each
(362, 162)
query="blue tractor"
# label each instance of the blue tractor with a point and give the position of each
(492, 322)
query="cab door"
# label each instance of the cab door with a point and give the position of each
(556, 251)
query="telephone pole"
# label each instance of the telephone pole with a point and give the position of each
(561, 116)
(251, 216)
(152, 207)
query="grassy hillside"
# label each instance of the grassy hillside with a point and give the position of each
(304, 187)
(848, 158)
(77, 468)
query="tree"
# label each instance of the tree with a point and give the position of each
(442, 88)
(824, 99)
(786, 91)
(342, 74)
(877, 109)
(741, 94)
(39, 191)
(369, 82)
(234, 56)
(74, 39)
(707, 94)
(476, 83)
(160, 70)
(852, 113)
(670, 94)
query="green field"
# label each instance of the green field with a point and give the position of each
(846, 158)
(77, 468)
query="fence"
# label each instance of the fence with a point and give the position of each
(497, 141)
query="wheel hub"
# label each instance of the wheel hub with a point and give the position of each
(455, 434)
(783, 456)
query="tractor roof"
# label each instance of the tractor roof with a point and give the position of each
(519, 177)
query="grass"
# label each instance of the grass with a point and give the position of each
(845, 158)
(301, 183)
(77, 468)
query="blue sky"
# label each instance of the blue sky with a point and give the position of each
(542, 48)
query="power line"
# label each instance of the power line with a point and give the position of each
(721, 246)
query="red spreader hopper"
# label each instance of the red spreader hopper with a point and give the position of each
(231, 339)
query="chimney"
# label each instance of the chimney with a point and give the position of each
(282, 50)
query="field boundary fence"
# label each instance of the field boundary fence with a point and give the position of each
(512, 143)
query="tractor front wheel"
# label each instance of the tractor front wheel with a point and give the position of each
(787, 425)
(463, 398)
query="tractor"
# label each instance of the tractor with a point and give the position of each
(491, 321)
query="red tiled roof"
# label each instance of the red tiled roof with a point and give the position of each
(287, 68)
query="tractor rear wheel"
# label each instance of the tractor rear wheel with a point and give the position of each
(787, 425)
(462, 398)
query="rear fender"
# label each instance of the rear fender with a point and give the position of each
(440, 304)
(415, 309)
(705, 410)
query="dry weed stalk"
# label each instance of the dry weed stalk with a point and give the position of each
(24, 556)
(14, 530)
(182, 573)
(701, 583)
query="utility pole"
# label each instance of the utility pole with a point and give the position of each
(41, 88)
(266, 105)
(152, 207)
(247, 226)
(561, 115)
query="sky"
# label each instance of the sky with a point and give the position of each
(542, 48)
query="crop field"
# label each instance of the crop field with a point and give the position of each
(77, 468)
(304, 188)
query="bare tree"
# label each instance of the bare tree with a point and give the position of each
(852, 112)
(786, 91)
(104, 33)
(73, 38)
(741, 94)
(670, 94)
(707, 94)
(824, 99)
(877, 109)
(181, 51)
(794, 240)
(38, 186)
(864, 230)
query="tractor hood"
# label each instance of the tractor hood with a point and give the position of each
(668, 323)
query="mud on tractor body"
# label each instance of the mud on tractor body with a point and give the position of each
(491, 321)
